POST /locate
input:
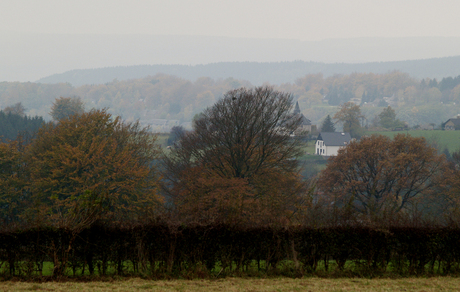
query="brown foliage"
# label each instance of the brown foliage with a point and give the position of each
(350, 115)
(92, 164)
(452, 209)
(65, 107)
(17, 109)
(86, 168)
(12, 181)
(203, 198)
(240, 142)
(378, 176)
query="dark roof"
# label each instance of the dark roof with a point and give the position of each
(305, 121)
(335, 138)
(455, 121)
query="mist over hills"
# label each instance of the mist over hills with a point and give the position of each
(258, 73)
(107, 64)
(32, 56)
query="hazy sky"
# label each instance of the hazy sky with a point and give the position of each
(293, 19)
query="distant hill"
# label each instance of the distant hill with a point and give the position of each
(31, 56)
(257, 72)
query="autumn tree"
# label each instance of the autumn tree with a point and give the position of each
(88, 167)
(349, 115)
(94, 153)
(12, 182)
(65, 107)
(451, 210)
(243, 140)
(328, 125)
(387, 119)
(377, 175)
(17, 109)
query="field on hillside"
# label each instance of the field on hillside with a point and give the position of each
(162, 139)
(438, 138)
(245, 284)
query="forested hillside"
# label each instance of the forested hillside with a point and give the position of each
(13, 124)
(258, 73)
(164, 100)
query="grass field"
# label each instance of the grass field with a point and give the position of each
(245, 284)
(162, 139)
(440, 139)
(443, 139)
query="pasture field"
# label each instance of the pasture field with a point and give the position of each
(162, 139)
(244, 284)
(438, 138)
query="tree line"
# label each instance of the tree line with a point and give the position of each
(239, 162)
(14, 122)
(168, 97)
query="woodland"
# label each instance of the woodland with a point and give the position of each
(90, 193)
(416, 102)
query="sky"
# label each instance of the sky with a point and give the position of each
(306, 20)
(39, 38)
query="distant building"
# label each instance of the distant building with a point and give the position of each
(452, 124)
(305, 125)
(328, 144)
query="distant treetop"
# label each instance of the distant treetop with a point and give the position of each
(65, 107)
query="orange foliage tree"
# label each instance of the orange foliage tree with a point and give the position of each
(87, 167)
(90, 160)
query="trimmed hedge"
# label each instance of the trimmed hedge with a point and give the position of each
(161, 249)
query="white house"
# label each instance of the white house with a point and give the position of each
(328, 144)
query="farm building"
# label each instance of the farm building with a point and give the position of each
(452, 124)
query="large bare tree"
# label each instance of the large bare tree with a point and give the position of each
(244, 136)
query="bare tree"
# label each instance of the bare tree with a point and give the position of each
(175, 134)
(244, 136)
